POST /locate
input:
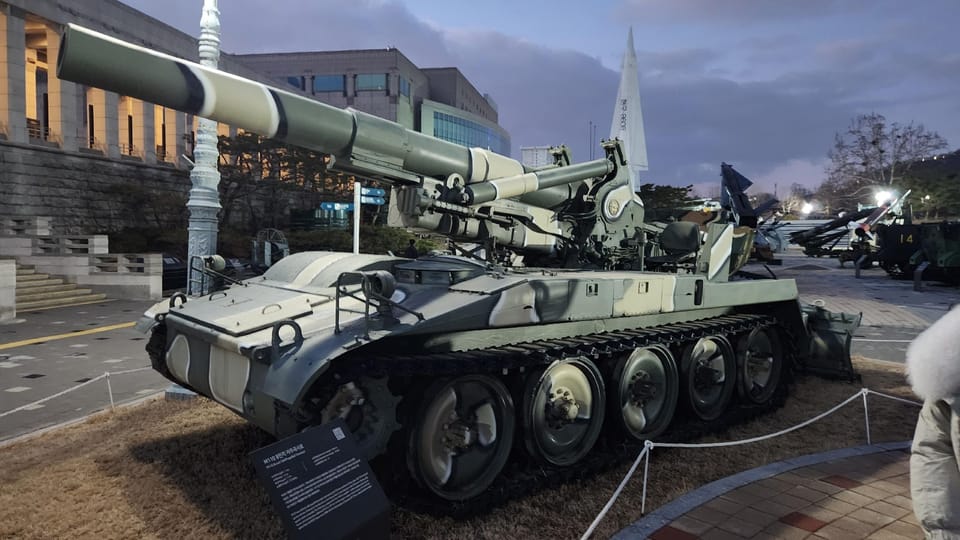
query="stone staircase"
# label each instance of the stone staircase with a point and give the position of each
(40, 291)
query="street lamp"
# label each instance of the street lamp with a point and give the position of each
(882, 197)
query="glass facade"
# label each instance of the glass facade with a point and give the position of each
(371, 81)
(404, 87)
(329, 83)
(468, 133)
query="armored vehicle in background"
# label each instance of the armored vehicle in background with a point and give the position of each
(935, 246)
(584, 331)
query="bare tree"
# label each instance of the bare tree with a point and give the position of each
(875, 153)
(799, 195)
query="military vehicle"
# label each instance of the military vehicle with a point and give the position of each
(584, 330)
(903, 248)
(861, 248)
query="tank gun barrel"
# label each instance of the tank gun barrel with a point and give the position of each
(359, 142)
(466, 193)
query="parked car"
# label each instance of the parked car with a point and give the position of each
(174, 272)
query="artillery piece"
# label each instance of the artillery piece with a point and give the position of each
(477, 380)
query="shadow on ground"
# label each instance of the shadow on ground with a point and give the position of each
(208, 472)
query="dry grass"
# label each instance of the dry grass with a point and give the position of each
(175, 469)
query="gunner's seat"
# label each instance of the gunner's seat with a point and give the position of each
(680, 242)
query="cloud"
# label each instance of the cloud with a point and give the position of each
(768, 101)
(677, 62)
(808, 173)
(731, 10)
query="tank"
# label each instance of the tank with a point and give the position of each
(583, 332)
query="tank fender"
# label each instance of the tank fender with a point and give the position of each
(299, 364)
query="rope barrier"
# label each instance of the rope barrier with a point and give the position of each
(106, 376)
(895, 398)
(761, 437)
(650, 445)
(615, 495)
(866, 414)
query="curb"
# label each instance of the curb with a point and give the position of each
(669, 512)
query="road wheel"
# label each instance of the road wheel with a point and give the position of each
(461, 436)
(710, 376)
(563, 411)
(761, 365)
(647, 385)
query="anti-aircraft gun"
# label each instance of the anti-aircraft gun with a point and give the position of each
(463, 375)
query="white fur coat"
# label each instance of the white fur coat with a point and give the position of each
(933, 359)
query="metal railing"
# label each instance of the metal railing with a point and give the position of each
(130, 150)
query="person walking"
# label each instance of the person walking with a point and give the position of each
(411, 251)
(933, 368)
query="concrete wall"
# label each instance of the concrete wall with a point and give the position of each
(85, 193)
(8, 289)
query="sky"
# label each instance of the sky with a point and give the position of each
(761, 84)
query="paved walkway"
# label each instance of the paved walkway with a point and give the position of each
(43, 353)
(853, 493)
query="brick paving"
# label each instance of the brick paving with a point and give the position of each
(845, 494)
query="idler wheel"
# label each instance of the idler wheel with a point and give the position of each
(761, 365)
(462, 435)
(563, 411)
(709, 375)
(648, 387)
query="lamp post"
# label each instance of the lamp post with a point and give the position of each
(204, 200)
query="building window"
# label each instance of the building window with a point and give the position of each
(468, 133)
(371, 81)
(404, 87)
(329, 83)
(296, 82)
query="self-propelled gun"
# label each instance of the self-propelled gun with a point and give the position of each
(584, 329)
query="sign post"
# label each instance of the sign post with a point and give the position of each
(363, 195)
(356, 218)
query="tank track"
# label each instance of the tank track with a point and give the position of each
(523, 474)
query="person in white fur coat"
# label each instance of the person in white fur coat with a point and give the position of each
(933, 368)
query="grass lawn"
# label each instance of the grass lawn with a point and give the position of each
(172, 469)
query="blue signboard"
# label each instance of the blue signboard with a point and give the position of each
(372, 196)
(336, 206)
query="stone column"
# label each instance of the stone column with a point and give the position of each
(62, 96)
(13, 105)
(106, 125)
(143, 140)
(204, 201)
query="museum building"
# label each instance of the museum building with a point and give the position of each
(65, 148)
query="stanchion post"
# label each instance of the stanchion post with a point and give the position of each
(646, 470)
(866, 413)
(109, 388)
